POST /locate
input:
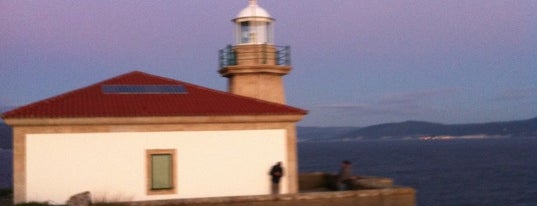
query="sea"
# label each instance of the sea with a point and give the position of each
(473, 172)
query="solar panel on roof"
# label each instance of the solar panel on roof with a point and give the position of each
(144, 89)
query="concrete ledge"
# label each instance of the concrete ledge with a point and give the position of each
(315, 190)
(320, 181)
(373, 182)
(401, 196)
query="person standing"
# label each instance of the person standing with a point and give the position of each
(276, 173)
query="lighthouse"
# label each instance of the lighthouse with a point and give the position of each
(254, 65)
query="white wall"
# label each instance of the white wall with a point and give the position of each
(112, 165)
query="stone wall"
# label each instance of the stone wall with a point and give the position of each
(369, 191)
(324, 182)
(372, 197)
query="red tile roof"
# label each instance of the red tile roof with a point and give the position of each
(91, 101)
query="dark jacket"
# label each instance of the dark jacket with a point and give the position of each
(276, 173)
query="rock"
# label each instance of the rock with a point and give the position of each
(80, 199)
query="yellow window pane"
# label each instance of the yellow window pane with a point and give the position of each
(161, 171)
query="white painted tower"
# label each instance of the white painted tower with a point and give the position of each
(254, 65)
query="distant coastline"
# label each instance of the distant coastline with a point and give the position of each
(418, 130)
(412, 138)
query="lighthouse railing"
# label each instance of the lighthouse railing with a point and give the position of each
(264, 54)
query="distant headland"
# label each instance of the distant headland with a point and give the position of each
(420, 130)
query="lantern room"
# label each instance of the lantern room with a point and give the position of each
(253, 25)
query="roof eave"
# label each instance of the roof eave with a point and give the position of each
(290, 118)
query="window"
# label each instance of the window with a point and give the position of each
(161, 172)
(269, 33)
(245, 32)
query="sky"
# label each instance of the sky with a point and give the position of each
(355, 62)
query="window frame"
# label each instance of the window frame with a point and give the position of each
(149, 171)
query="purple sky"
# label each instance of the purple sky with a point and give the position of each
(355, 63)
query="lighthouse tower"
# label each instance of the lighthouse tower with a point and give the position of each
(254, 65)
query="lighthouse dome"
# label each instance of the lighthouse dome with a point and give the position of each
(253, 10)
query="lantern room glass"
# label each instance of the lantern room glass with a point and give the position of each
(254, 32)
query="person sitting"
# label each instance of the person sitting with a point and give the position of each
(345, 177)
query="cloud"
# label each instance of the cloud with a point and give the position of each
(415, 97)
(384, 110)
(395, 102)
(391, 107)
(515, 94)
(368, 114)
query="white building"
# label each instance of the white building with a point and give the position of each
(139, 137)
